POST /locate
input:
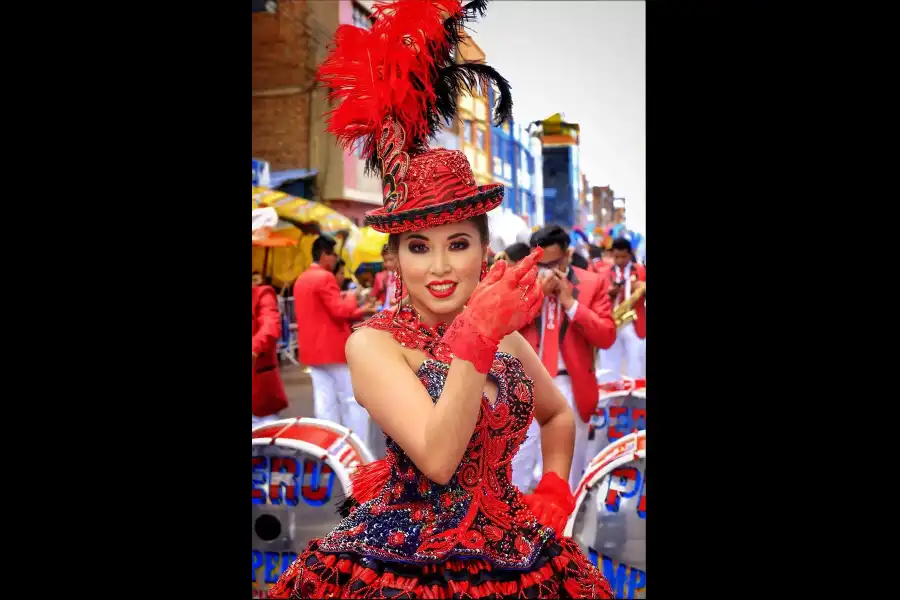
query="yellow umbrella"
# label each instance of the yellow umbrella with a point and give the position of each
(284, 265)
(286, 262)
(365, 248)
(302, 211)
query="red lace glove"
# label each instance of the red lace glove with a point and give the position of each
(505, 301)
(551, 502)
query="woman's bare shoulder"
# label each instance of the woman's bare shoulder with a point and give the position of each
(363, 340)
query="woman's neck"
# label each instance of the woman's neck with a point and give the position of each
(431, 319)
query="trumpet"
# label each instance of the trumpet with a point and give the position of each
(625, 313)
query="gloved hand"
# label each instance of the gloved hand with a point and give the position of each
(505, 301)
(551, 502)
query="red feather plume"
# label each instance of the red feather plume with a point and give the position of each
(389, 70)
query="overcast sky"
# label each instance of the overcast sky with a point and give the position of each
(587, 60)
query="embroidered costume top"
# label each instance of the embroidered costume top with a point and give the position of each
(479, 512)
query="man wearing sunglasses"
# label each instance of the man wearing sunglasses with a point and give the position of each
(576, 318)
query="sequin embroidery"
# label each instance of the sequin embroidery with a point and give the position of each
(479, 512)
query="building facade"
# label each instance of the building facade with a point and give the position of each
(473, 122)
(288, 125)
(562, 180)
(282, 83)
(516, 163)
(533, 177)
(341, 178)
(602, 207)
(585, 217)
(289, 40)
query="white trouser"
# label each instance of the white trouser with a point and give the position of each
(628, 346)
(528, 464)
(334, 401)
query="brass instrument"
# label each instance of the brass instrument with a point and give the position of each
(624, 313)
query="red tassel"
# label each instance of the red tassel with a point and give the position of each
(368, 480)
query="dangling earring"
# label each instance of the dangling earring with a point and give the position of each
(398, 290)
(483, 270)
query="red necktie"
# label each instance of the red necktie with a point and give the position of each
(550, 353)
(620, 278)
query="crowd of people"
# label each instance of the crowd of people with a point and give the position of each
(481, 370)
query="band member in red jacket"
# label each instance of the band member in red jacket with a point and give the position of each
(601, 261)
(385, 286)
(627, 276)
(323, 326)
(575, 319)
(268, 391)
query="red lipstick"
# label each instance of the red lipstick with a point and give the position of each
(447, 288)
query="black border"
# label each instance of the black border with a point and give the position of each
(153, 384)
(738, 356)
(147, 279)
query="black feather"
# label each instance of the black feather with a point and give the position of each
(452, 31)
(449, 79)
(453, 79)
(373, 162)
(474, 10)
(470, 13)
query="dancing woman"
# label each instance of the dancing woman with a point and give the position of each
(446, 376)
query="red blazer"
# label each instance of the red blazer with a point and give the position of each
(268, 391)
(323, 317)
(601, 267)
(640, 323)
(379, 287)
(592, 328)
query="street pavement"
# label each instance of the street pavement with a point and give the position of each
(298, 387)
(299, 390)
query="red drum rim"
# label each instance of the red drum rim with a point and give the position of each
(624, 450)
(335, 444)
(621, 387)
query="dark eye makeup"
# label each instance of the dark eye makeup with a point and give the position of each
(417, 247)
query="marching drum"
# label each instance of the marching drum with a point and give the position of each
(621, 409)
(610, 516)
(301, 470)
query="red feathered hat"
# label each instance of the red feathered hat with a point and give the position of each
(395, 84)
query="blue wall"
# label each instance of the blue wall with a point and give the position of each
(560, 190)
(506, 160)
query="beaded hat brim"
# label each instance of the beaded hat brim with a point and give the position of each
(488, 198)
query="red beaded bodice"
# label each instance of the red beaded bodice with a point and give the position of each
(479, 513)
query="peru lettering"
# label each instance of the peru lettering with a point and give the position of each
(284, 480)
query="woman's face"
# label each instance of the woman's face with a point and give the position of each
(440, 267)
